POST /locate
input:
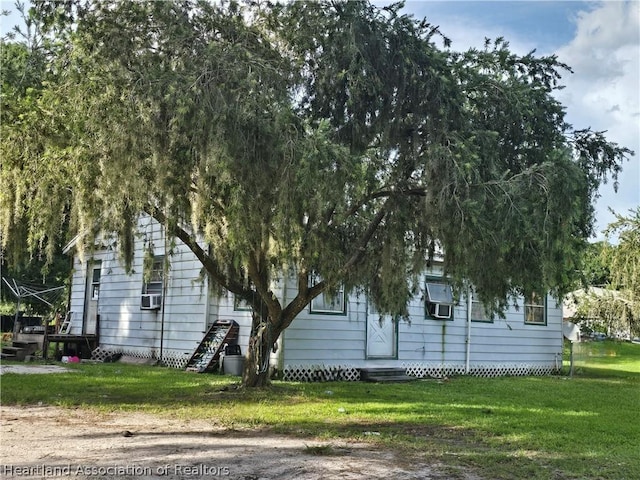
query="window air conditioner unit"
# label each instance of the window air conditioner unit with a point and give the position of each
(151, 301)
(440, 310)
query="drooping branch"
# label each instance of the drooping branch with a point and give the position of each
(418, 191)
(210, 265)
(306, 294)
(361, 247)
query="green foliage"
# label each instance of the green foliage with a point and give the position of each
(29, 208)
(330, 137)
(595, 271)
(623, 259)
(616, 267)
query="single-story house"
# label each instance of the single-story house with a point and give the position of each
(165, 316)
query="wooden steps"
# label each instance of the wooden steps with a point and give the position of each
(207, 354)
(385, 375)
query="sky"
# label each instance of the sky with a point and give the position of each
(600, 41)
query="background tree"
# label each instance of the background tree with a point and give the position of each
(623, 261)
(595, 268)
(328, 138)
(610, 299)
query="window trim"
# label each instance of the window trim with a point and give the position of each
(313, 279)
(95, 281)
(486, 319)
(529, 304)
(157, 259)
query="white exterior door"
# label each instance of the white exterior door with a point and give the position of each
(381, 335)
(92, 296)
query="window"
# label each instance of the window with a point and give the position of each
(534, 309)
(95, 282)
(241, 305)
(439, 300)
(154, 277)
(327, 303)
(479, 313)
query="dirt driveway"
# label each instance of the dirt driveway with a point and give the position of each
(46, 442)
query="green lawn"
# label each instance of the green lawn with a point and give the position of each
(503, 428)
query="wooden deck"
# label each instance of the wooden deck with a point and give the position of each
(75, 343)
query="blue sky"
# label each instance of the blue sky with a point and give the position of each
(599, 40)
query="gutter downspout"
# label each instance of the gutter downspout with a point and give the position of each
(207, 306)
(164, 292)
(468, 339)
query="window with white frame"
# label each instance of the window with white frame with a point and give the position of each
(535, 309)
(438, 300)
(95, 281)
(334, 303)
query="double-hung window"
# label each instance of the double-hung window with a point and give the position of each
(334, 303)
(535, 309)
(152, 285)
(479, 313)
(154, 276)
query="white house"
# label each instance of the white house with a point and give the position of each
(147, 316)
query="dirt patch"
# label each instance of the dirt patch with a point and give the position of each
(35, 369)
(49, 442)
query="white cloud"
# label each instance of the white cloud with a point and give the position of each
(604, 91)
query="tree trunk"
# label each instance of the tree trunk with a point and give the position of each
(256, 366)
(255, 373)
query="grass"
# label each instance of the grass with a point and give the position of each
(503, 428)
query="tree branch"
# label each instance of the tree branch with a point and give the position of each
(302, 299)
(364, 241)
(210, 265)
(260, 280)
(421, 192)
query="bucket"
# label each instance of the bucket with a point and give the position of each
(232, 364)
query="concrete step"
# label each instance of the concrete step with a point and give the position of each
(23, 344)
(12, 349)
(390, 379)
(16, 353)
(8, 356)
(379, 374)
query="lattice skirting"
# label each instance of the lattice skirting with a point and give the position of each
(440, 370)
(320, 373)
(170, 358)
(323, 373)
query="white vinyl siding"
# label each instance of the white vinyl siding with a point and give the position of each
(318, 338)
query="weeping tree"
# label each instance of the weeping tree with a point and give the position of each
(610, 301)
(23, 72)
(334, 139)
(623, 262)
